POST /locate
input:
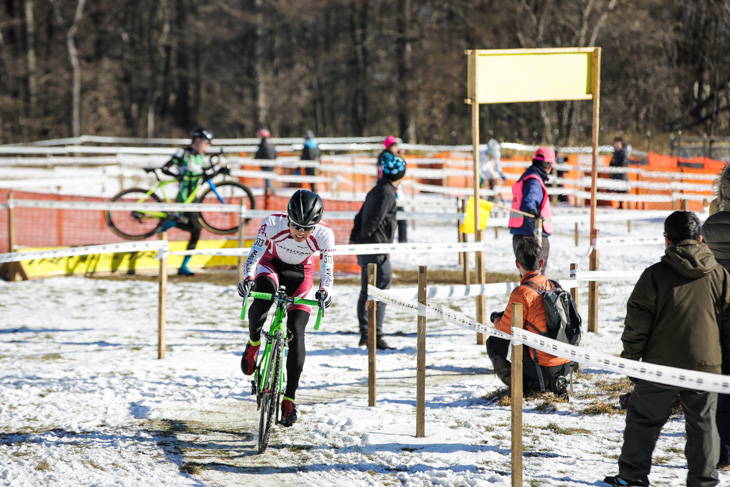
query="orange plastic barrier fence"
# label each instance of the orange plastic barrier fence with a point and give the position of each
(48, 228)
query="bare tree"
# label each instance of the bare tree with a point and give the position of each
(31, 60)
(70, 29)
(406, 117)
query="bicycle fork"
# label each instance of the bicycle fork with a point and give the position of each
(261, 371)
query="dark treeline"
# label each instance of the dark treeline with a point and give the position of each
(157, 68)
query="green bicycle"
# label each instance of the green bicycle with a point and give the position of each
(140, 224)
(268, 378)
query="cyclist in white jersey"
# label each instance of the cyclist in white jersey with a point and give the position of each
(282, 255)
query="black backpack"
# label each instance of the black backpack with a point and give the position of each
(562, 319)
(561, 315)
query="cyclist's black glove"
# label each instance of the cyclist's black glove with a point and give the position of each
(495, 314)
(245, 287)
(323, 296)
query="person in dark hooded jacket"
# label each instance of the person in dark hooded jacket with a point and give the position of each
(716, 233)
(678, 315)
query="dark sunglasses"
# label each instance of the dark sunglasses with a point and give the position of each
(301, 228)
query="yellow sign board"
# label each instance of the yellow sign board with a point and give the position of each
(529, 75)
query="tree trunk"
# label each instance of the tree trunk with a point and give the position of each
(73, 62)
(406, 119)
(30, 55)
(358, 18)
(3, 87)
(259, 67)
(158, 63)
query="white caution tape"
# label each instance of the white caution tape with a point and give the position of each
(360, 249)
(607, 242)
(460, 291)
(227, 252)
(672, 376)
(370, 249)
(445, 313)
(586, 276)
(115, 206)
(160, 246)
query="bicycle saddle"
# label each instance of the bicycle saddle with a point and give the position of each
(149, 169)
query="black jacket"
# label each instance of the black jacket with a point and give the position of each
(716, 231)
(679, 311)
(376, 220)
(619, 159)
(266, 150)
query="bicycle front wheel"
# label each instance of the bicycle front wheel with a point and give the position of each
(270, 400)
(135, 224)
(229, 193)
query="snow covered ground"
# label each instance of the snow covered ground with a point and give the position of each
(84, 401)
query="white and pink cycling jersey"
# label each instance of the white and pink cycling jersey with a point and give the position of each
(274, 241)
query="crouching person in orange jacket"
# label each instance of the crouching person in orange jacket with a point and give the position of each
(553, 369)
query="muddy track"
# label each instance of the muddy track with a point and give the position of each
(218, 444)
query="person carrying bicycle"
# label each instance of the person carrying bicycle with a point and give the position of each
(281, 255)
(190, 164)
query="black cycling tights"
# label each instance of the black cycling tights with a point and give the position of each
(296, 323)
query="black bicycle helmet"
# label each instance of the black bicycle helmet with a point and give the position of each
(305, 208)
(202, 133)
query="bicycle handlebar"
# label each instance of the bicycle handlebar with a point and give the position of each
(275, 297)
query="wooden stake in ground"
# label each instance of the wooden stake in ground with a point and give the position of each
(516, 389)
(12, 271)
(593, 285)
(162, 303)
(421, 354)
(574, 290)
(372, 306)
(241, 228)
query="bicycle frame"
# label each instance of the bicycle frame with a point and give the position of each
(193, 194)
(283, 302)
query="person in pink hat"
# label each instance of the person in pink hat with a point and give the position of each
(529, 194)
(392, 154)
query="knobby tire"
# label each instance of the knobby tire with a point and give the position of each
(225, 223)
(270, 400)
(133, 225)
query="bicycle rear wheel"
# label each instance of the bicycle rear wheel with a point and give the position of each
(134, 225)
(270, 391)
(225, 222)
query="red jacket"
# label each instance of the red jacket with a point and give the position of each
(533, 311)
